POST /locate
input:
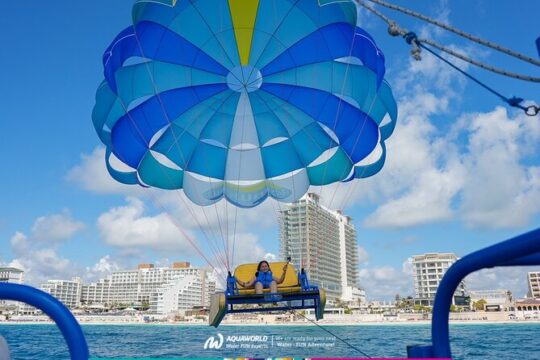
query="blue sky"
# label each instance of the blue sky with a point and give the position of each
(463, 170)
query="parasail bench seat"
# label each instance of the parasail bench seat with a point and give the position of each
(293, 293)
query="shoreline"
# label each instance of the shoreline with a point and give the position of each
(249, 324)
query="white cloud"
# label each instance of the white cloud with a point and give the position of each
(507, 278)
(34, 253)
(50, 264)
(486, 181)
(363, 256)
(422, 173)
(427, 201)
(385, 282)
(480, 169)
(217, 221)
(104, 267)
(39, 264)
(92, 175)
(17, 264)
(19, 243)
(127, 227)
(270, 257)
(500, 191)
(56, 227)
(248, 249)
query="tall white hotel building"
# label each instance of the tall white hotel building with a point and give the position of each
(428, 271)
(323, 241)
(534, 284)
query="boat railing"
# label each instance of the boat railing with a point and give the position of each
(521, 250)
(58, 312)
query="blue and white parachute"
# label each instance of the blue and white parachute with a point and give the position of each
(244, 99)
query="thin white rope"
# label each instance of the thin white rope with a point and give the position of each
(157, 92)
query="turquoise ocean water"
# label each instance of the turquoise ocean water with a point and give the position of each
(485, 341)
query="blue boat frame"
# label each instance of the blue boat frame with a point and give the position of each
(58, 312)
(522, 250)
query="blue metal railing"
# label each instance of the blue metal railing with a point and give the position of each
(519, 251)
(63, 318)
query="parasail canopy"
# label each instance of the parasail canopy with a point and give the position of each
(243, 99)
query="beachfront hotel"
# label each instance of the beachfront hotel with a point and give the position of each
(323, 242)
(13, 276)
(494, 300)
(67, 291)
(534, 284)
(183, 294)
(177, 287)
(162, 289)
(428, 270)
(97, 292)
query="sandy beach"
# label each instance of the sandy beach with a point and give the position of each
(266, 320)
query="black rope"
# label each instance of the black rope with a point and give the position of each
(419, 44)
(531, 110)
(331, 333)
(454, 30)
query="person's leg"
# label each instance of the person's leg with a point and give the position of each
(258, 288)
(273, 289)
(273, 286)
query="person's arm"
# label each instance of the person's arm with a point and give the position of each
(246, 284)
(282, 278)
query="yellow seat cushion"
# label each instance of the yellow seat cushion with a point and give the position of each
(246, 273)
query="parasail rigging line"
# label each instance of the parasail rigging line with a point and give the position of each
(329, 332)
(214, 248)
(278, 27)
(244, 104)
(454, 30)
(340, 102)
(162, 207)
(165, 145)
(303, 261)
(531, 110)
(410, 37)
(229, 256)
(227, 236)
(154, 198)
(476, 62)
(349, 192)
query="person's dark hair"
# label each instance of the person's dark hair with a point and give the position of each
(262, 262)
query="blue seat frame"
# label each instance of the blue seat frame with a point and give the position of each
(309, 297)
